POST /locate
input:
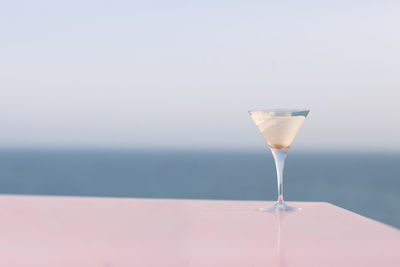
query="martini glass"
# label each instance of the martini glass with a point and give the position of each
(279, 127)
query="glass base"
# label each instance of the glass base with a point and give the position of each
(279, 207)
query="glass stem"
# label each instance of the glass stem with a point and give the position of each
(279, 157)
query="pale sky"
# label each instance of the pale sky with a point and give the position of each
(182, 74)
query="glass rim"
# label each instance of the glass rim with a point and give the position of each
(283, 111)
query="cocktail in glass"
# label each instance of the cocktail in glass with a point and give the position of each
(279, 127)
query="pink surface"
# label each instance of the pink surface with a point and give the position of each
(107, 232)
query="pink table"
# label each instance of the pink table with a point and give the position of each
(111, 232)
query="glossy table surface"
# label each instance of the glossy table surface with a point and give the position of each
(107, 232)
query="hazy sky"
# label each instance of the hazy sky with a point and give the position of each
(184, 73)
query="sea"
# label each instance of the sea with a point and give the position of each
(365, 183)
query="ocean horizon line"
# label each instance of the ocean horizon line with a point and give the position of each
(195, 149)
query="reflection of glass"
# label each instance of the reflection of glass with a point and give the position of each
(281, 259)
(281, 255)
(279, 127)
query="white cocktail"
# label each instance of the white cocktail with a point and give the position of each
(279, 127)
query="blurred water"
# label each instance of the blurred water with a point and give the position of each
(368, 184)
